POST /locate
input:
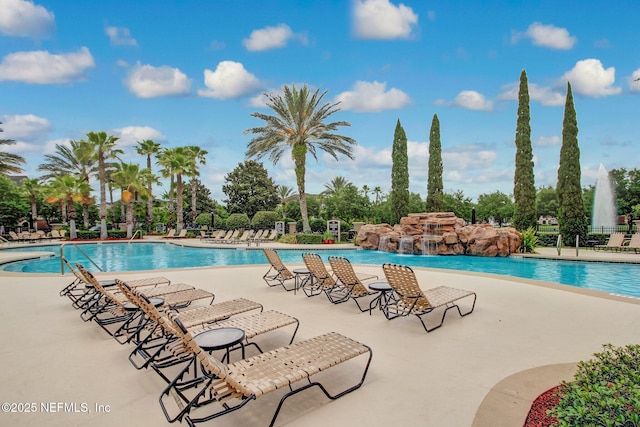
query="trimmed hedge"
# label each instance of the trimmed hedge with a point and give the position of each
(238, 220)
(265, 219)
(309, 239)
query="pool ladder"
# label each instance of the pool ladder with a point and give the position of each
(79, 250)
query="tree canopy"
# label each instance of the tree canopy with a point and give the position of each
(249, 189)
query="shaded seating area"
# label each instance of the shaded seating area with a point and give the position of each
(615, 242)
(409, 299)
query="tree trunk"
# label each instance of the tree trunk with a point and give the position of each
(130, 219)
(103, 195)
(179, 209)
(194, 213)
(299, 157)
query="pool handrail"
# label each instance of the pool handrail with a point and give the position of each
(81, 251)
(134, 235)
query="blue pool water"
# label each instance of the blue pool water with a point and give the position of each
(609, 277)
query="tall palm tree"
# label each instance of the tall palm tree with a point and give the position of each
(284, 193)
(32, 188)
(164, 161)
(365, 191)
(377, 191)
(148, 148)
(70, 189)
(299, 125)
(104, 148)
(177, 162)
(77, 159)
(336, 184)
(197, 157)
(132, 180)
(9, 162)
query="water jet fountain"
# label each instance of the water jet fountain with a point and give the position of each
(603, 217)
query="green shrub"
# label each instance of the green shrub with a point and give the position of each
(605, 391)
(309, 239)
(318, 225)
(204, 219)
(547, 239)
(288, 238)
(529, 240)
(265, 219)
(87, 234)
(116, 234)
(238, 220)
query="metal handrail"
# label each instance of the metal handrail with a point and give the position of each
(134, 235)
(559, 244)
(79, 250)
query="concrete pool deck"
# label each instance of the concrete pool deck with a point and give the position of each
(481, 370)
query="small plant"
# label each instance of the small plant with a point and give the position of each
(529, 240)
(288, 238)
(605, 391)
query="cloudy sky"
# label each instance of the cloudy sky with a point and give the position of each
(192, 72)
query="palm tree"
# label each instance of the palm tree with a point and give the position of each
(104, 149)
(176, 162)
(284, 193)
(148, 148)
(69, 189)
(32, 188)
(377, 191)
(77, 159)
(197, 156)
(299, 125)
(132, 180)
(365, 191)
(336, 184)
(9, 162)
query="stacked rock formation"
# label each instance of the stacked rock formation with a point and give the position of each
(440, 233)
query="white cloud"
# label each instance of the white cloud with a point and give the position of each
(147, 81)
(120, 36)
(547, 36)
(271, 38)
(380, 19)
(130, 135)
(547, 141)
(22, 18)
(544, 95)
(634, 81)
(589, 78)
(470, 100)
(431, 15)
(42, 67)
(371, 97)
(467, 157)
(229, 80)
(27, 126)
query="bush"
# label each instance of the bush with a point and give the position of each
(265, 219)
(605, 391)
(288, 238)
(204, 219)
(116, 234)
(309, 239)
(238, 220)
(529, 240)
(87, 234)
(318, 225)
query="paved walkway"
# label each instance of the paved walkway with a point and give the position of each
(482, 370)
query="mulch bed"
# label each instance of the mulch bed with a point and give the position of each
(538, 413)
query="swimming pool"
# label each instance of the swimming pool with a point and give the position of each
(608, 277)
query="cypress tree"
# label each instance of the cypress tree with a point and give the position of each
(399, 195)
(524, 190)
(571, 214)
(435, 188)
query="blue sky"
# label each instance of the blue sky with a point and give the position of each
(192, 72)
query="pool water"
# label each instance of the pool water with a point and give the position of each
(616, 278)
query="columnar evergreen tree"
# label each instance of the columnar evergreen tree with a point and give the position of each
(571, 215)
(399, 196)
(524, 189)
(435, 189)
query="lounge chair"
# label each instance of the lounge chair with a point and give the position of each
(171, 234)
(277, 274)
(182, 234)
(252, 325)
(320, 280)
(269, 237)
(234, 385)
(615, 242)
(634, 243)
(231, 236)
(55, 234)
(348, 285)
(244, 238)
(409, 298)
